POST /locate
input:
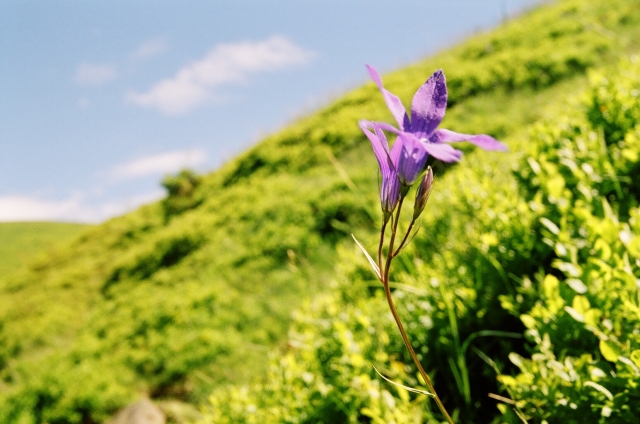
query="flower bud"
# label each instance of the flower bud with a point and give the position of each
(389, 192)
(422, 195)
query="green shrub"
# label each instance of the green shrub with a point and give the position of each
(325, 372)
(182, 193)
(580, 178)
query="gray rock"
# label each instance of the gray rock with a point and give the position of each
(141, 412)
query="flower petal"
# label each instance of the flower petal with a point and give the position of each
(393, 102)
(483, 141)
(389, 191)
(386, 127)
(409, 156)
(394, 154)
(390, 187)
(429, 105)
(444, 152)
(379, 144)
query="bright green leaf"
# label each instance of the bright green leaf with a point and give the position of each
(610, 350)
(580, 304)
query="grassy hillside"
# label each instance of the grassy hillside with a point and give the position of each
(20, 242)
(539, 246)
(189, 294)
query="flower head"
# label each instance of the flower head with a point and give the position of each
(390, 187)
(419, 132)
(406, 159)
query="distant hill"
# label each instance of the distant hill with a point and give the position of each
(20, 242)
(193, 293)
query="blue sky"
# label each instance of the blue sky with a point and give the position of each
(99, 100)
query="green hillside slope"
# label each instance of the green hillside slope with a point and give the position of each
(20, 242)
(186, 295)
(549, 253)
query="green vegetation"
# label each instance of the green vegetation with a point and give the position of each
(20, 242)
(507, 285)
(553, 259)
(583, 311)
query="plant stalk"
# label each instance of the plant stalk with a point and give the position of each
(403, 333)
(404, 240)
(384, 228)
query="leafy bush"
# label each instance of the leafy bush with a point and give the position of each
(581, 178)
(550, 245)
(325, 372)
(182, 192)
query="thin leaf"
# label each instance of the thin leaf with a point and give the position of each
(410, 389)
(630, 363)
(599, 388)
(373, 264)
(493, 365)
(550, 226)
(501, 398)
(340, 169)
(487, 333)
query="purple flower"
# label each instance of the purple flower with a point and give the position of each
(405, 160)
(418, 136)
(390, 187)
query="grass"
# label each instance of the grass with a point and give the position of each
(21, 242)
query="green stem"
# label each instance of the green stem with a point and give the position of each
(404, 240)
(403, 333)
(394, 230)
(384, 228)
(416, 361)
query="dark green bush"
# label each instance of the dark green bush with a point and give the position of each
(182, 193)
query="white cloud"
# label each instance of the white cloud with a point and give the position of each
(149, 49)
(93, 74)
(85, 207)
(159, 164)
(74, 209)
(21, 208)
(224, 64)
